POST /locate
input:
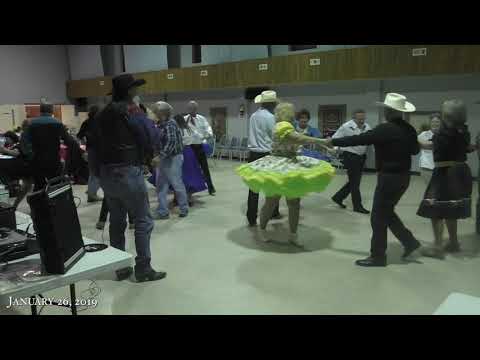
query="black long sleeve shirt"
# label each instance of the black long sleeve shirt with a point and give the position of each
(395, 142)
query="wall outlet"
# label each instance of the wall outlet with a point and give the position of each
(419, 52)
(102, 83)
(314, 62)
(204, 73)
(262, 67)
(170, 76)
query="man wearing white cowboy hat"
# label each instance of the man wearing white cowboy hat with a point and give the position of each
(260, 138)
(395, 142)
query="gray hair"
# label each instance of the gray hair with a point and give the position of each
(193, 102)
(358, 111)
(454, 111)
(162, 106)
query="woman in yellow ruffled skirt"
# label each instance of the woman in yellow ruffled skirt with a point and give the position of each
(285, 172)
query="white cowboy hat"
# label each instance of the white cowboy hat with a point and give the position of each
(266, 97)
(397, 102)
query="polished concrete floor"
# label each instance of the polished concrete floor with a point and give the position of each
(215, 266)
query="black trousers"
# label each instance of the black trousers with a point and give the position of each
(41, 175)
(390, 189)
(354, 164)
(252, 211)
(104, 213)
(202, 160)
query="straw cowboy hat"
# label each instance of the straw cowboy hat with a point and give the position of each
(268, 96)
(397, 102)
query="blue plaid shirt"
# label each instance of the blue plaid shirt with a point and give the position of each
(171, 143)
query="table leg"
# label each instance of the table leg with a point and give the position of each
(33, 307)
(73, 305)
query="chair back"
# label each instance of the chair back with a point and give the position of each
(244, 143)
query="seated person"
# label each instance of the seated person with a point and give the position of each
(17, 168)
(302, 126)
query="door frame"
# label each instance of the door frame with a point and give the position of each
(343, 114)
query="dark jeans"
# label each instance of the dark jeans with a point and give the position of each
(202, 160)
(93, 181)
(104, 213)
(478, 205)
(125, 191)
(390, 189)
(40, 176)
(252, 211)
(354, 164)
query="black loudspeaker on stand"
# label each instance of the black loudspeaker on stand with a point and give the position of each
(58, 231)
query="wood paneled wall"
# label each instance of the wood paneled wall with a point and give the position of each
(372, 62)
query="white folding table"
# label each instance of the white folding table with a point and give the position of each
(89, 266)
(459, 304)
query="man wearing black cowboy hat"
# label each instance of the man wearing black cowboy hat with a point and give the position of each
(124, 138)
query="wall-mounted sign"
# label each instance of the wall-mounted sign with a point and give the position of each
(262, 67)
(419, 52)
(170, 76)
(314, 62)
(203, 72)
(102, 82)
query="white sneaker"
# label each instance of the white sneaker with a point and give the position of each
(293, 238)
(262, 235)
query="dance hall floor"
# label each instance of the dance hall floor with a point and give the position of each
(215, 267)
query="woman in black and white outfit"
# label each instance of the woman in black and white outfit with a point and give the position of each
(448, 195)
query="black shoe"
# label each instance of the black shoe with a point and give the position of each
(410, 249)
(150, 275)
(212, 192)
(124, 274)
(94, 198)
(252, 223)
(452, 247)
(371, 262)
(361, 211)
(277, 216)
(339, 203)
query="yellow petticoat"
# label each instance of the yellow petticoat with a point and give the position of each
(291, 184)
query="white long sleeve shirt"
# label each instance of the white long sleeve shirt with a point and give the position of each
(351, 128)
(202, 127)
(426, 156)
(260, 132)
(189, 135)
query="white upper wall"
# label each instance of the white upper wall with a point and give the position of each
(142, 58)
(216, 54)
(29, 72)
(278, 50)
(85, 61)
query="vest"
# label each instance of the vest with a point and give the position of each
(115, 141)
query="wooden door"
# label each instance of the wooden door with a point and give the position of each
(330, 118)
(57, 112)
(219, 121)
(32, 110)
(420, 120)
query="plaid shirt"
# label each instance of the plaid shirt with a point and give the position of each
(170, 139)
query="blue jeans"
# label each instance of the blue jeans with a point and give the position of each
(125, 191)
(93, 181)
(170, 173)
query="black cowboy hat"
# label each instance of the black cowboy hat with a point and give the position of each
(124, 82)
